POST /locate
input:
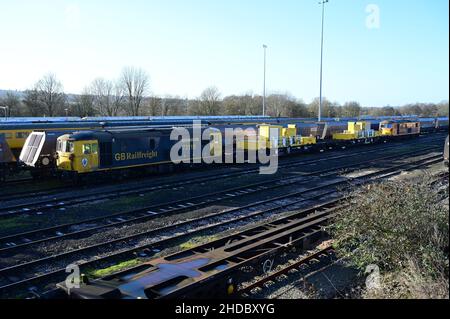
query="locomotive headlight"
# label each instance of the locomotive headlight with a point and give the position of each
(45, 161)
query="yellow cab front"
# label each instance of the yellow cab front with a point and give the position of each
(79, 156)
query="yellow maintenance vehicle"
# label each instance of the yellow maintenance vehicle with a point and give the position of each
(275, 136)
(356, 131)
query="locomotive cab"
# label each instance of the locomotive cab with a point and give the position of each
(400, 128)
(79, 156)
(387, 128)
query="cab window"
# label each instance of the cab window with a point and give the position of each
(69, 147)
(63, 146)
(8, 135)
(21, 135)
(94, 148)
(87, 149)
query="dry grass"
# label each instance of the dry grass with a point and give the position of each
(402, 227)
(410, 283)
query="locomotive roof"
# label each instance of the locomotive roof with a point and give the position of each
(106, 135)
(101, 122)
(401, 121)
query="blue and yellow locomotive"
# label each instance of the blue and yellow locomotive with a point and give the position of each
(146, 149)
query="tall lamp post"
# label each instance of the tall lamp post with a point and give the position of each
(264, 88)
(321, 58)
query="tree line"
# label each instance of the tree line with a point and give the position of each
(129, 95)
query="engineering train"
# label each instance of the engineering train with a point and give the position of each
(14, 133)
(40, 151)
(40, 147)
(123, 150)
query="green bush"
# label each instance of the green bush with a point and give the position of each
(392, 224)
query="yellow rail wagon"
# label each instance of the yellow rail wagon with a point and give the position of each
(356, 131)
(274, 136)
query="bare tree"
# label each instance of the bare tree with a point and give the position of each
(234, 105)
(84, 105)
(135, 82)
(13, 102)
(118, 101)
(246, 104)
(209, 102)
(443, 108)
(296, 108)
(386, 111)
(31, 101)
(328, 109)
(102, 91)
(173, 105)
(351, 109)
(253, 104)
(275, 104)
(108, 96)
(50, 94)
(154, 104)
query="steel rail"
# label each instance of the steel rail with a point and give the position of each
(54, 203)
(21, 265)
(60, 272)
(273, 276)
(58, 232)
(233, 262)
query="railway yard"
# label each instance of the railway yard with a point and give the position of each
(224, 159)
(208, 232)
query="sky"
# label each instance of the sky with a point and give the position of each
(377, 52)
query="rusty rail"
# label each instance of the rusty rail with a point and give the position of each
(214, 264)
(327, 252)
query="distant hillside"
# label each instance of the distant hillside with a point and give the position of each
(4, 92)
(21, 94)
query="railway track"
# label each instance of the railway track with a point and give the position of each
(301, 269)
(308, 275)
(20, 241)
(53, 201)
(58, 273)
(10, 196)
(17, 182)
(56, 190)
(208, 270)
(222, 258)
(52, 204)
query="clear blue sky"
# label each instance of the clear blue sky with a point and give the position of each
(187, 45)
